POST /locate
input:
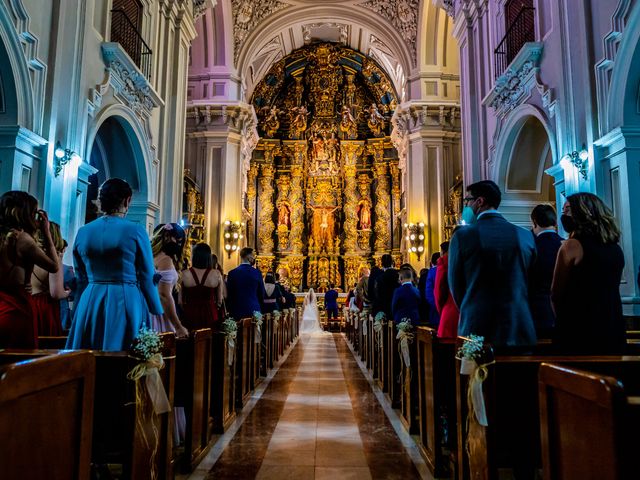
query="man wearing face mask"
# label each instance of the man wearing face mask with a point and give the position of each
(245, 288)
(548, 243)
(489, 264)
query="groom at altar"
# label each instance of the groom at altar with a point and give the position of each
(245, 287)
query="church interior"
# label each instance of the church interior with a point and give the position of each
(322, 143)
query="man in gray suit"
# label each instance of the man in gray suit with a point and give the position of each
(489, 264)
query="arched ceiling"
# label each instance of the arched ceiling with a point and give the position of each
(265, 31)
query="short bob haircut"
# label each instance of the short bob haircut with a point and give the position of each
(201, 256)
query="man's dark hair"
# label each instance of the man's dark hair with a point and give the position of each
(444, 247)
(434, 258)
(405, 274)
(487, 190)
(544, 216)
(386, 261)
(245, 252)
(201, 256)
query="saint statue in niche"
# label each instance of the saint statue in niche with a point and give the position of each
(348, 124)
(271, 122)
(284, 215)
(323, 226)
(323, 155)
(375, 121)
(364, 214)
(298, 116)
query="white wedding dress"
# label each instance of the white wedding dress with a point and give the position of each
(310, 314)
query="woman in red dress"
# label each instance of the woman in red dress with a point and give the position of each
(202, 290)
(446, 306)
(19, 252)
(47, 289)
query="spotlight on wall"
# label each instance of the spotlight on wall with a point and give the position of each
(580, 160)
(232, 236)
(415, 237)
(62, 156)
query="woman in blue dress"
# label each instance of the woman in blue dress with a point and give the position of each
(114, 269)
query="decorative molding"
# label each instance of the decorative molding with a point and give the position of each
(201, 6)
(343, 30)
(448, 6)
(246, 16)
(514, 86)
(403, 15)
(129, 84)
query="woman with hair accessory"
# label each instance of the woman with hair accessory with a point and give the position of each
(114, 268)
(47, 289)
(202, 291)
(20, 219)
(167, 246)
(585, 292)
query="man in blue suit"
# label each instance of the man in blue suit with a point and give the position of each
(245, 288)
(489, 264)
(406, 299)
(548, 243)
(331, 303)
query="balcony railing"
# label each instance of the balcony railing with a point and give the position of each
(124, 32)
(521, 31)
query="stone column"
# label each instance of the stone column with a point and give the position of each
(251, 203)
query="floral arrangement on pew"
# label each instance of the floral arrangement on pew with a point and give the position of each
(276, 319)
(147, 348)
(364, 318)
(230, 331)
(472, 363)
(405, 337)
(378, 324)
(257, 321)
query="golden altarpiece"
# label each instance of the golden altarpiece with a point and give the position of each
(323, 196)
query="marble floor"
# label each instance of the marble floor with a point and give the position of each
(318, 417)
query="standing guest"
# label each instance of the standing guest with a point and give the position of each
(586, 282)
(406, 299)
(215, 264)
(202, 291)
(548, 243)
(371, 286)
(489, 264)
(47, 289)
(350, 301)
(331, 303)
(271, 300)
(114, 272)
(66, 304)
(447, 308)
(422, 283)
(386, 283)
(245, 288)
(290, 297)
(414, 274)
(362, 290)
(429, 288)
(20, 220)
(167, 246)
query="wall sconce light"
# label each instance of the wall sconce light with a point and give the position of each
(62, 156)
(580, 160)
(415, 237)
(232, 236)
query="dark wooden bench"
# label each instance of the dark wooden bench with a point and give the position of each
(223, 384)
(193, 393)
(392, 367)
(46, 411)
(589, 425)
(55, 343)
(269, 347)
(409, 390)
(244, 357)
(512, 438)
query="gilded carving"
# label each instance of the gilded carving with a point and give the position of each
(348, 125)
(375, 121)
(382, 225)
(265, 234)
(364, 203)
(298, 118)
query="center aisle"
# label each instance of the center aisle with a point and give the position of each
(311, 424)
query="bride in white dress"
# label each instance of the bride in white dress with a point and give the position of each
(310, 314)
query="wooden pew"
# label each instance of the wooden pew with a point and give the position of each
(46, 411)
(256, 355)
(55, 343)
(409, 391)
(193, 392)
(268, 351)
(392, 367)
(223, 384)
(588, 425)
(436, 401)
(512, 438)
(380, 357)
(244, 357)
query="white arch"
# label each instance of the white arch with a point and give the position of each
(509, 134)
(627, 55)
(19, 67)
(348, 14)
(137, 134)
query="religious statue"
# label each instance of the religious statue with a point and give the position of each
(284, 215)
(364, 214)
(348, 124)
(298, 116)
(271, 122)
(323, 155)
(375, 121)
(323, 226)
(333, 147)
